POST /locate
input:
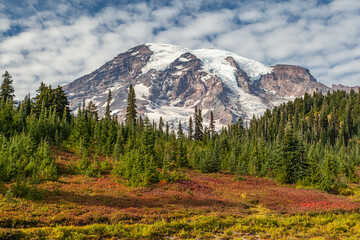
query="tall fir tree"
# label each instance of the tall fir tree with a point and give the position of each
(131, 107)
(212, 124)
(7, 90)
(198, 133)
(191, 132)
(108, 102)
(180, 133)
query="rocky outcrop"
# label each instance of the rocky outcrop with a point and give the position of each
(290, 81)
(169, 81)
(116, 75)
(340, 87)
(241, 77)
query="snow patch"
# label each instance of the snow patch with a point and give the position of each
(141, 91)
(183, 59)
(163, 55)
(115, 111)
(214, 61)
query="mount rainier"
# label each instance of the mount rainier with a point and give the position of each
(169, 81)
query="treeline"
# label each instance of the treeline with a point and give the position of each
(312, 141)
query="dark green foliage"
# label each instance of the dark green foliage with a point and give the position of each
(212, 124)
(312, 141)
(20, 156)
(190, 131)
(22, 189)
(7, 90)
(108, 102)
(131, 107)
(54, 100)
(198, 130)
(291, 160)
(211, 162)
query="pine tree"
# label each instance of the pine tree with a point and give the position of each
(198, 133)
(180, 133)
(182, 158)
(167, 130)
(108, 102)
(131, 107)
(292, 161)
(92, 110)
(211, 162)
(54, 99)
(212, 124)
(148, 141)
(161, 124)
(60, 103)
(7, 90)
(190, 134)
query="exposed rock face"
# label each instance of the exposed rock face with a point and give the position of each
(290, 81)
(169, 81)
(341, 87)
(241, 77)
(115, 75)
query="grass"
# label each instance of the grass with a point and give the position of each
(202, 205)
(321, 226)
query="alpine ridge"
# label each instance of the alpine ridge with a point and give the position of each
(169, 81)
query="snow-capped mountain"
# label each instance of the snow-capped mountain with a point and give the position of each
(169, 81)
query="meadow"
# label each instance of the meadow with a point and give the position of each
(197, 205)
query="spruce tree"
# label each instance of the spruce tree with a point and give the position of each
(180, 133)
(182, 160)
(161, 124)
(191, 132)
(292, 162)
(131, 107)
(212, 124)
(167, 129)
(92, 110)
(7, 90)
(108, 102)
(198, 133)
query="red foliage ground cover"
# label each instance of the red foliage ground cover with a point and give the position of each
(81, 200)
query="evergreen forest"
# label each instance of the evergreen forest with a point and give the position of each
(312, 141)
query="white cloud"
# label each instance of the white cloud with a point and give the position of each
(323, 38)
(344, 6)
(5, 24)
(250, 16)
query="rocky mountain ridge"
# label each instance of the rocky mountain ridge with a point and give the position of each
(169, 81)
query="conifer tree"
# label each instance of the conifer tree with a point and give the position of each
(161, 124)
(131, 107)
(211, 162)
(108, 101)
(7, 90)
(198, 133)
(54, 99)
(293, 165)
(182, 158)
(148, 140)
(60, 103)
(212, 124)
(180, 133)
(92, 110)
(190, 134)
(167, 130)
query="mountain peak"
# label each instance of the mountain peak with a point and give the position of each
(213, 59)
(169, 81)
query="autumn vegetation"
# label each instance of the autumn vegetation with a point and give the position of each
(291, 173)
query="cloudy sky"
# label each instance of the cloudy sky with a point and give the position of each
(59, 41)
